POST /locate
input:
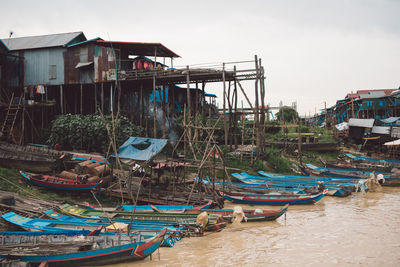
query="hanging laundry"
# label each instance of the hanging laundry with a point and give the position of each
(40, 89)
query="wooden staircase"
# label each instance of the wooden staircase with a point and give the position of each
(11, 117)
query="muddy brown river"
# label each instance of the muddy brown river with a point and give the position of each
(362, 230)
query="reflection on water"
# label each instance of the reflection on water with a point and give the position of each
(357, 230)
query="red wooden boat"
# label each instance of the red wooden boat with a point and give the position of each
(58, 183)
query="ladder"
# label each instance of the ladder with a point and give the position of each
(11, 117)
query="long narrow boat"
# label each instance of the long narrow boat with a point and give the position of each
(78, 225)
(40, 224)
(68, 251)
(274, 199)
(158, 218)
(393, 162)
(169, 208)
(251, 215)
(57, 183)
(357, 166)
(390, 179)
(266, 179)
(301, 183)
(334, 181)
(281, 188)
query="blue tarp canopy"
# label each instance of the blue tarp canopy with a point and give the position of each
(141, 148)
(390, 120)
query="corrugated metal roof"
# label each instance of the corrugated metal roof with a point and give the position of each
(367, 123)
(141, 49)
(385, 91)
(84, 42)
(372, 94)
(42, 41)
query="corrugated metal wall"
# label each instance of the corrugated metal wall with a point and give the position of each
(44, 66)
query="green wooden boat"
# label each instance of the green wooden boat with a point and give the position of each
(215, 221)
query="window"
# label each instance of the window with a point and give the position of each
(52, 72)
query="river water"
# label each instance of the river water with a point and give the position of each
(362, 229)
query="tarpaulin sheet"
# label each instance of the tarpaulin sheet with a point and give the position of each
(342, 126)
(390, 120)
(380, 130)
(393, 143)
(141, 148)
(365, 123)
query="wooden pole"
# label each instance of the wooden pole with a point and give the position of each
(299, 146)
(164, 130)
(257, 125)
(154, 108)
(61, 99)
(188, 93)
(81, 99)
(235, 131)
(224, 105)
(102, 97)
(188, 101)
(95, 97)
(262, 90)
(141, 108)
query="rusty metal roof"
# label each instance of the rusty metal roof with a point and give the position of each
(43, 41)
(141, 49)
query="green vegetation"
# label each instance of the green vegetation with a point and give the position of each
(80, 132)
(287, 114)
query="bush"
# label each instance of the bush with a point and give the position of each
(278, 163)
(272, 130)
(89, 132)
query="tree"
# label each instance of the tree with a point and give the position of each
(287, 114)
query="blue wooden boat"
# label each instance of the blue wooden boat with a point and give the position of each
(46, 233)
(311, 179)
(390, 179)
(69, 251)
(301, 185)
(271, 199)
(71, 224)
(58, 183)
(364, 158)
(169, 208)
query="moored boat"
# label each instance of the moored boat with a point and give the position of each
(251, 215)
(68, 251)
(149, 217)
(168, 208)
(58, 183)
(272, 199)
(390, 179)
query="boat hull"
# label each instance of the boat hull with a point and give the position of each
(275, 199)
(128, 252)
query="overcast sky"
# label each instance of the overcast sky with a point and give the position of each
(312, 50)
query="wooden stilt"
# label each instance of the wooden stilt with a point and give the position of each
(154, 108)
(81, 101)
